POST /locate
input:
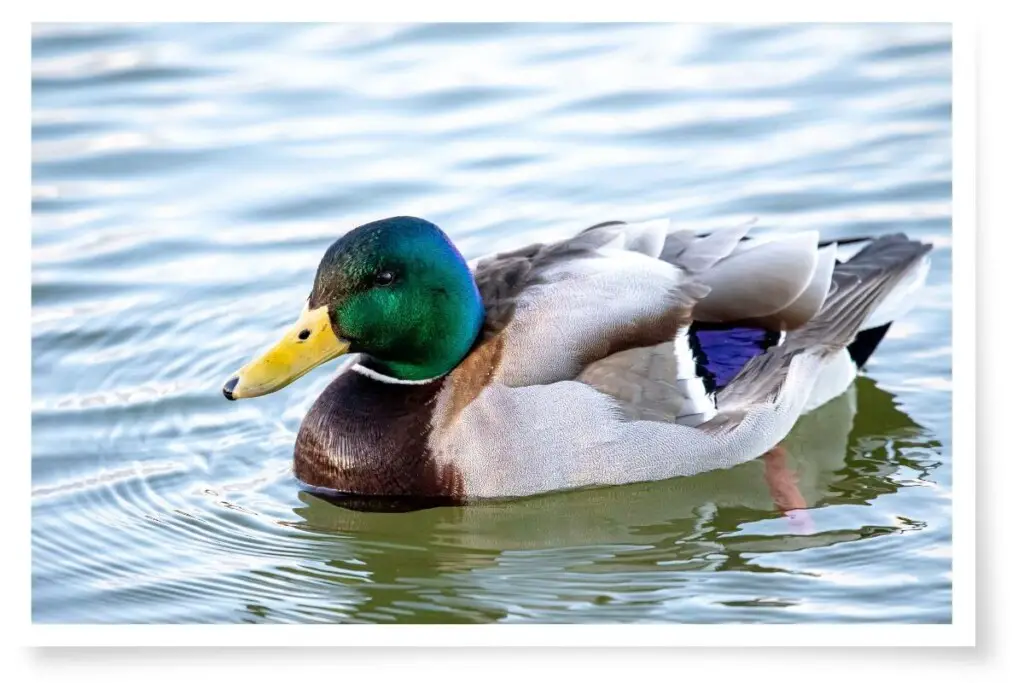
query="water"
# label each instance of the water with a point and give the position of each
(187, 179)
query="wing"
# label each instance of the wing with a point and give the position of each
(561, 307)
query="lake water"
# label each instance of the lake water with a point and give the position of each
(186, 180)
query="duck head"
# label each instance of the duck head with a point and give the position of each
(396, 290)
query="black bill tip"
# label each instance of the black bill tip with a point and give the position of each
(229, 388)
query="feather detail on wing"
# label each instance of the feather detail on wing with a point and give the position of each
(857, 289)
(695, 254)
(760, 280)
(807, 304)
(564, 305)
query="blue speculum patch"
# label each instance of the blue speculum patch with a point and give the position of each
(720, 353)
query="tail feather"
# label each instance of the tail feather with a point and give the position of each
(894, 305)
(858, 287)
(865, 343)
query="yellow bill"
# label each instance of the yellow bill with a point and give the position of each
(308, 343)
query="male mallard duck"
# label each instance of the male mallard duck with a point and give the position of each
(625, 353)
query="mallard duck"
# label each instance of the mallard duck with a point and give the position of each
(625, 353)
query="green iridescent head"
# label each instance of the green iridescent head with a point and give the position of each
(397, 290)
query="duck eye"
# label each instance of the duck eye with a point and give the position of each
(384, 278)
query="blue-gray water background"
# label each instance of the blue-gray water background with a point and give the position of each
(186, 180)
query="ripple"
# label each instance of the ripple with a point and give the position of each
(50, 39)
(336, 201)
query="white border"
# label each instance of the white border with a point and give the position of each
(964, 327)
(506, 635)
(960, 632)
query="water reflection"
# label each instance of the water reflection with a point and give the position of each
(845, 453)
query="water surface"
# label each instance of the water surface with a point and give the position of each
(187, 179)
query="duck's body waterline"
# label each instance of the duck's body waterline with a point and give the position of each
(626, 353)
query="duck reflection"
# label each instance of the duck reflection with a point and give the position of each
(843, 453)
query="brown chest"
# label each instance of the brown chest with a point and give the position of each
(368, 437)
